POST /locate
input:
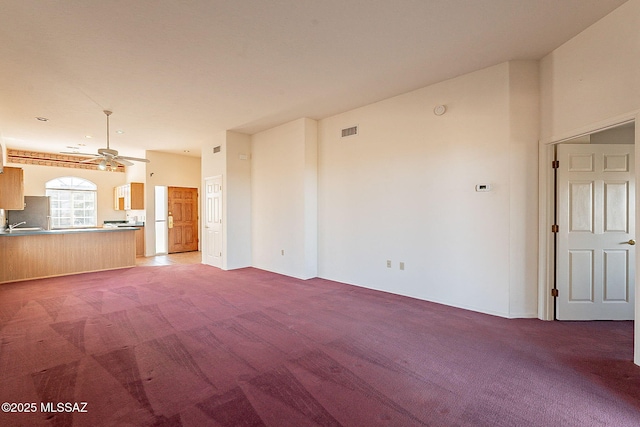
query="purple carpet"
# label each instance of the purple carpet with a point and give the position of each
(191, 345)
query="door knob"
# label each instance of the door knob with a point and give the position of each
(631, 242)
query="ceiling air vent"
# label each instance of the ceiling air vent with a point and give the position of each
(216, 149)
(352, 131)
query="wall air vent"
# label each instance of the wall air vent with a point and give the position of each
(352, 131)
(216, 149)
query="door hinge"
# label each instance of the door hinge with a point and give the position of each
(555, 164)
(554, 293)
(555, 228)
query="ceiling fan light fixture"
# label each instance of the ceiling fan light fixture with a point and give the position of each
(102, 165)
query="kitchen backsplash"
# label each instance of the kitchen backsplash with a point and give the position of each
(35, 213)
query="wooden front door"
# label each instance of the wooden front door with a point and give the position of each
(183, 219)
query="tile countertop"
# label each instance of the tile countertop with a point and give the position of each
(123, 224)
(18, 232)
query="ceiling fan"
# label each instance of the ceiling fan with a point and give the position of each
(107, 157)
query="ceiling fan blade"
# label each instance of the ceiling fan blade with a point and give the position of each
(135, 159)
(122, 161)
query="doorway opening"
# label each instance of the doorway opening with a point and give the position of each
(594, 226)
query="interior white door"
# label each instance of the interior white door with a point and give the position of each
(595, 273)
(213, 222)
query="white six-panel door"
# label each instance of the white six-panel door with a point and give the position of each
(595, 273)
(213, 222)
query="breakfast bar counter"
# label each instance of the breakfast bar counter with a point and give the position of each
(28, 255)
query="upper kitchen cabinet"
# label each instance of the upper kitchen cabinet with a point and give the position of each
(128, 197)
(12, 189)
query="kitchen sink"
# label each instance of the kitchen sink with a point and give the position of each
(22, 229)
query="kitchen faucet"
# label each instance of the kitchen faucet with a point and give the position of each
(11, 227)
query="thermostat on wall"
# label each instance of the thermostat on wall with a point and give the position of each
(483, 187)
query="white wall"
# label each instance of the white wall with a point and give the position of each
(593, 77)
(137, 172)
(212, 165)
(166, 170)
(35, 178)
(283, 199)
(310, 198)
(404, 190)
(233, 163)
(593, 81)
(237, 205)
(524, 121)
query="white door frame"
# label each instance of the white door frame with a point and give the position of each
(546, 194)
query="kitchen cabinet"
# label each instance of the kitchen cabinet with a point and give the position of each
(128, 197)
(118, 200)
(140, 242)
(12, 189)
(58, 253)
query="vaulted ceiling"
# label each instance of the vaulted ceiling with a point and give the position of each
(176, 72)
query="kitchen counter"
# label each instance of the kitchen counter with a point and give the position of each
(47, 253)
(123, 224)
(19, 232)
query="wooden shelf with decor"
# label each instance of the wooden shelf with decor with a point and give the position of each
(128, 197)
(12, 189)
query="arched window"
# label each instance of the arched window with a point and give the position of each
(73, 202)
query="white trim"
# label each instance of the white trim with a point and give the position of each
(546, 220)
(636, 326)
(593, 128)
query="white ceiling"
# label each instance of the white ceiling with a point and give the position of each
(176, 72)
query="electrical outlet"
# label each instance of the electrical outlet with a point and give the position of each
(282, 252)
(388, 263)
(402, 266)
